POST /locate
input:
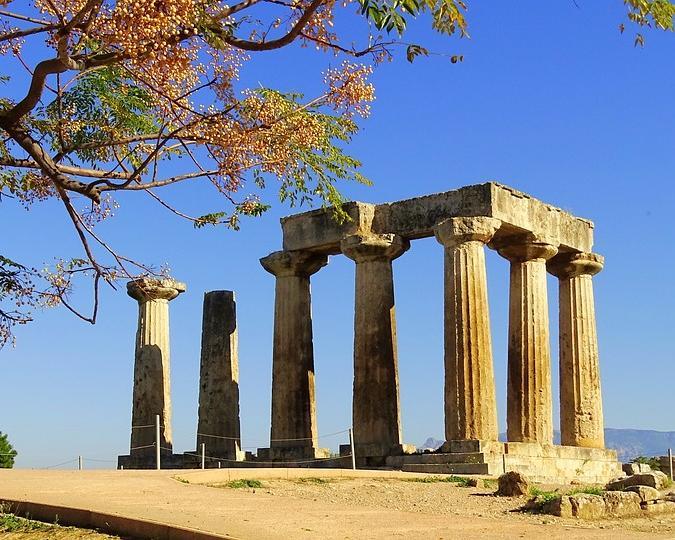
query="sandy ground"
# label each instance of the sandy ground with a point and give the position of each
(293, 505)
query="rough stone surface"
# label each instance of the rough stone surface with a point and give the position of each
(654, 479)
(293, 385)
(512, 484)
(621, 503)
(647, 494)
(218, 423)
(587, 506)
(376, 408)
(581, 419)
(152, 374)
(470, 403)
(529, 413)
(417, 217)
(560, 506)
(635, 468)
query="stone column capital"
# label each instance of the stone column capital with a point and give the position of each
(524, 248)
(294, 263)
(145, 289)
(570, 265)
(455, 231)
(362, 248)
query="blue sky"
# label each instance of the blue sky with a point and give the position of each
(550, 99)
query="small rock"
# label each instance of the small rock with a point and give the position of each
(587, 506)
(646, 493)
(622, 503)
(476, 482)
(512, 484)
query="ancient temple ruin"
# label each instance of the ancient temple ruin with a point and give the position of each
(535, 238)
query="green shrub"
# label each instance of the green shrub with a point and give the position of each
(244, 483)
(460, 480)
(7, 452)
(653, 462)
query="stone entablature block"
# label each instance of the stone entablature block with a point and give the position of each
(416, 218)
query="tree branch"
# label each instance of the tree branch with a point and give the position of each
(275, 43)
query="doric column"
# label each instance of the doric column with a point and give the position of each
(293, 396)
(529, 413)
(376, 409)
(581, 421)
(218, 423)
(470, 403)
(152, 381)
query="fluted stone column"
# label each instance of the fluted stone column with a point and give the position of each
(581, 420)
(152, 382)
(293, 396)
(218, 423)
(529, 410)
(376, 409)
(470, 403)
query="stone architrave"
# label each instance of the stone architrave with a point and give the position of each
(376, 408)
(529, 414)
(293, 388)
(470, 403)
(581, 419)
(218, 424)
(152, 381)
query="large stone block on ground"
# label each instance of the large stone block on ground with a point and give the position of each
(587, 506)
(622, 503)
(654, 479)
(635, 468)
(647, 494)
(512, 484)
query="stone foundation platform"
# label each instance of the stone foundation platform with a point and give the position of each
(540, 463)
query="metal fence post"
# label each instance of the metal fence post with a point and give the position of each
(157, 443)
(670, 462)
(203, 455)
(79, 463)
(351, 445)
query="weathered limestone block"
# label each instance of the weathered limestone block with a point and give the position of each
(470, 403)
(654, 479)
(647, 494)
(512, 484)
(635, 468)
(152, 374)
(293, 386)
(376, 409)
(581, 419)
(658, 507)
(588, 506)
(621, 503)
(218, 423)
(529, 404)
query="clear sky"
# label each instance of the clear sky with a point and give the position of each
(550, 99)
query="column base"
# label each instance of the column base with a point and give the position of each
(539, 462)
(167, 461)
(292, 453)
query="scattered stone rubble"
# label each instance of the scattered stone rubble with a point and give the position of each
(638, 494)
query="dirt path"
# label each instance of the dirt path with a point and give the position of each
(287, 507)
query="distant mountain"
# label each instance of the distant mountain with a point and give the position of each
(629, 443)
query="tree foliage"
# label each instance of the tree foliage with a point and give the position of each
(129, 92)
(7, 452)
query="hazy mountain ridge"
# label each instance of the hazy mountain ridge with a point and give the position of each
(629, 443)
